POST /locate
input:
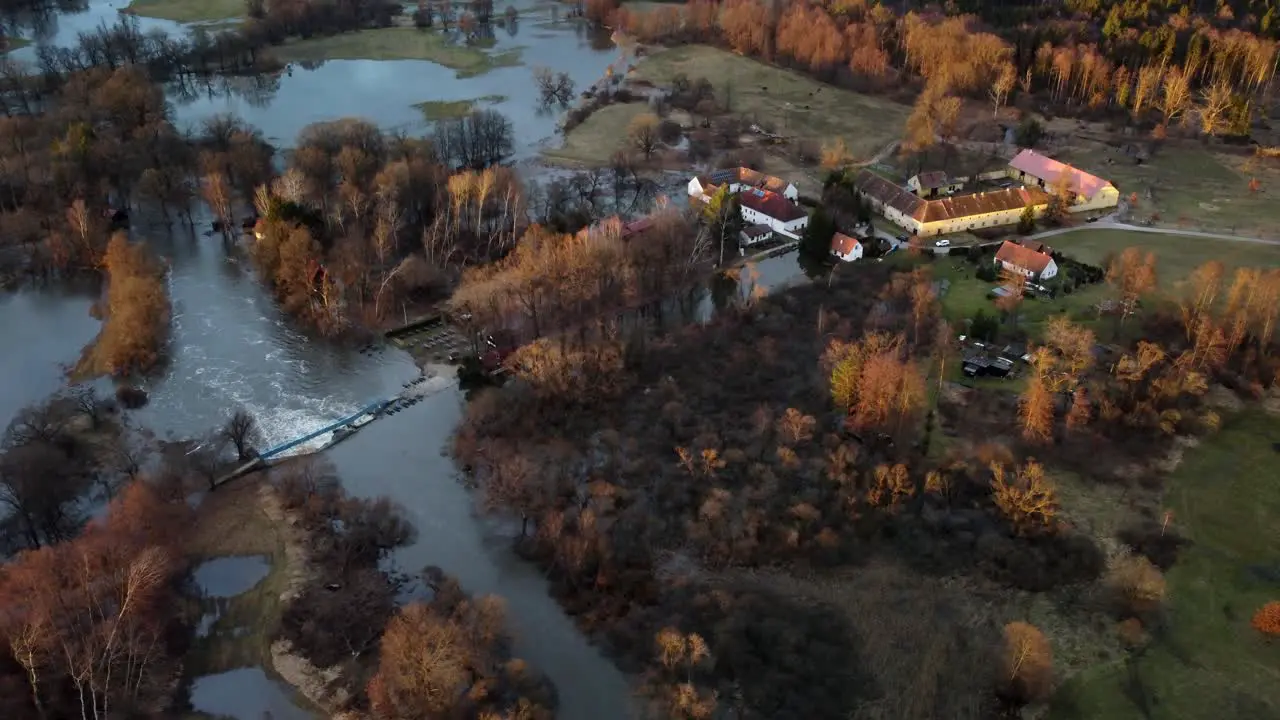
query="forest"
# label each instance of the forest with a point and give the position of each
(1162, 66)
(809, 432)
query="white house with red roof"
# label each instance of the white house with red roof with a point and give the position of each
(1091, 192)
(845, 247)
(739, 179)
(1032, 262)
(762, 207)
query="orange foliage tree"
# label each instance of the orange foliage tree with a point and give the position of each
(136, 312)
(89, 620)
(1267, 619)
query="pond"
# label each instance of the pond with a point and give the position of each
(245, 694)
(227, 577)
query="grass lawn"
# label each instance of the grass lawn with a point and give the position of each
(1210, 663)
(596, 139)
(433, 110)
(966, 295)
(188, 11)
(398, 43)
(818, 112)
(1191, 186)
(1176, 256)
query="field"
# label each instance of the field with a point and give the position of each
(597, 138)
(793, 104)
(1176, 255)
(398, 43)
(188, 11)
(1208, 663)
(1188, 185)
(434, 110)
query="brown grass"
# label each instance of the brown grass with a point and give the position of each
(762, 92)
(921, 637)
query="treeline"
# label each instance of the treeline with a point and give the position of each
(89, 148)
(1182, 67)
(1219, 333)
(556, 284)
(135, 313)
(361, 221)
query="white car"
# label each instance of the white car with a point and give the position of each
(942, 243)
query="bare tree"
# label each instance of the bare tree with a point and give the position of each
(643, 133)
(1002, 85)
(88, 402)
(555, 87)
(241, 430)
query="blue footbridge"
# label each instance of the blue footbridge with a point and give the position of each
(415, 391)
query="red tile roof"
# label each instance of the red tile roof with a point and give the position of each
(842, 244)
(1049, 170)
(1023, 257)
(980, 203)
(949, 208)
(932, 179)
(771, 204)
(743, 176)
(636, 227)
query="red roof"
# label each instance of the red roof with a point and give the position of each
(1049, 170)
(772, 204)
(842, 244)
(1023, 257)
(636, 227)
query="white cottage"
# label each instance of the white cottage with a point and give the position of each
(846, 248)
(761, 207)
(1034, 264)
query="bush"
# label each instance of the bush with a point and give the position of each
(987, 272)
(130, 397)
(1026, 668)
(669, 131)
(1267, 619)
(1136, 586)
(1160, 547)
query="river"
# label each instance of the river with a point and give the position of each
(231, 347)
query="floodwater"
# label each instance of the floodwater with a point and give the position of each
(245, 694)
(232, 348)
(383, 92)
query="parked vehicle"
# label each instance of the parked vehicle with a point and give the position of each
(942, 243)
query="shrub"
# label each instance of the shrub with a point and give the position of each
(1267, 619)
(1136, 586)
(670, 131)
(130, 397)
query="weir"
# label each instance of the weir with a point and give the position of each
(350, 424)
